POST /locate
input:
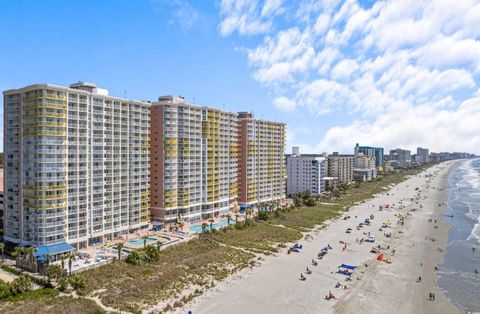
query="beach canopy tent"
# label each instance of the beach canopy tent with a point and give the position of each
(347, 266)
(53, 249)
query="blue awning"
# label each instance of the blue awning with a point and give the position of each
(53, 249)
(347, 266)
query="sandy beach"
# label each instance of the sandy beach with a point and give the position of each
(414, 249)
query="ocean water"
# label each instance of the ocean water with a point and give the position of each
(456, 276)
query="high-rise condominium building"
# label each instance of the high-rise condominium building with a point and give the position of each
(402, 157)
(305, 172)
(341, 167)
(422, 155)
(261, 161)
(76, 165)
(194, 161)
(370, 151)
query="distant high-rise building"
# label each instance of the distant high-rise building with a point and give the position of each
(261, 161)
(305, 172)
(341, 167)
(194, 161)
(402, 157)
(76, 165)
(422, 155)
(365, 167)
(376, 152)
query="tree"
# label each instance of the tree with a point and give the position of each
(2, 250)
(62, 258)
(71, 257)
(204, 227)
(211, 221)
(145, 237)
(119, 250)
(236, 217)
(77, 282)
(229, 217)
(21, 284)
(311, 201)
(54, 272)
(18, 253)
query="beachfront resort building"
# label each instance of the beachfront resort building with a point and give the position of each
(76, 166)
(194, 161)
(261, 167)
(401, 157)
(422, 155)
(369, 151)
(340, 166)
(305, 172)
(365, 167)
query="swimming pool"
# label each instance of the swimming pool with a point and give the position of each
(140, 241)
(217, 225)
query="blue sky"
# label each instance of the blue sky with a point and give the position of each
(390, 73)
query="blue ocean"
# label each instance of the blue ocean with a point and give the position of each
(457, 276)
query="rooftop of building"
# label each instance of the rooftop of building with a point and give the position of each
(80, 87)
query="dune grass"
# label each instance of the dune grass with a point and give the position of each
(198, 262)
(50, 304)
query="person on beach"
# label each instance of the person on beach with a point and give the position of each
(430, 296)
(433, 296)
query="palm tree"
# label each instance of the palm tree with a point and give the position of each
(71, 256)
(2, 249)
(145, 237)
(29, 252)
(204, 227)
(229, 217)
(119, 250)
(62, 258)
(18, 254)
(211, 221)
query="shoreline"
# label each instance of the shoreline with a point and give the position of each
(273, 286)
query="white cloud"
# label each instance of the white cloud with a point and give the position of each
(404, 72)
(183, 13)
(344, 69)
(284, 104)
(248, 17)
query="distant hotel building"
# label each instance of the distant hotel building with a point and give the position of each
(422, 155)
(341, 167)
(365, 167)
(401, 157)
(261, 172)
(305, 172)
(369, 151)
(76, 165)
(194, 161)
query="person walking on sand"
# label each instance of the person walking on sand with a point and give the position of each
(430, 296)
(433, 295)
